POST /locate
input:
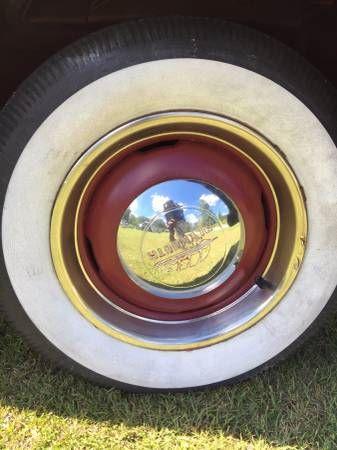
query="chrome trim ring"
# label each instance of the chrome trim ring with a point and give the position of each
(252, 306)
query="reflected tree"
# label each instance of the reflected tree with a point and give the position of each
(206, 213)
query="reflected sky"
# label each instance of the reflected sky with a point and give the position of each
(181, 191)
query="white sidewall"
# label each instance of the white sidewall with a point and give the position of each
(120, 97)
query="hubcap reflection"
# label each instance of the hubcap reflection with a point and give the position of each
(180, 239)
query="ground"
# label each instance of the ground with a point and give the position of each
(292, 406)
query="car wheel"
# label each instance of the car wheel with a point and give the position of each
(169, 204)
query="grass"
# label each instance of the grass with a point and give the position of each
(293, 406)
(200, 263)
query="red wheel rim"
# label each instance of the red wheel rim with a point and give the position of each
(116, 185)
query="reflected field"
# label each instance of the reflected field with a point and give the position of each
(179, 274)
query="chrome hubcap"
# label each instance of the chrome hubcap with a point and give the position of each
(180, 239)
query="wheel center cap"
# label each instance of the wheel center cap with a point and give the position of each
(180, 239)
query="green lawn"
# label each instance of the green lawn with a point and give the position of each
(293, 406)
(132, 243)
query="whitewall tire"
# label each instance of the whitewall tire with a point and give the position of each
(112, 78)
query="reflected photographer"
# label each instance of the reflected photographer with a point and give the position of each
(175, 220)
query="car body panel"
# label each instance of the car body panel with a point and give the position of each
(32, 30)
